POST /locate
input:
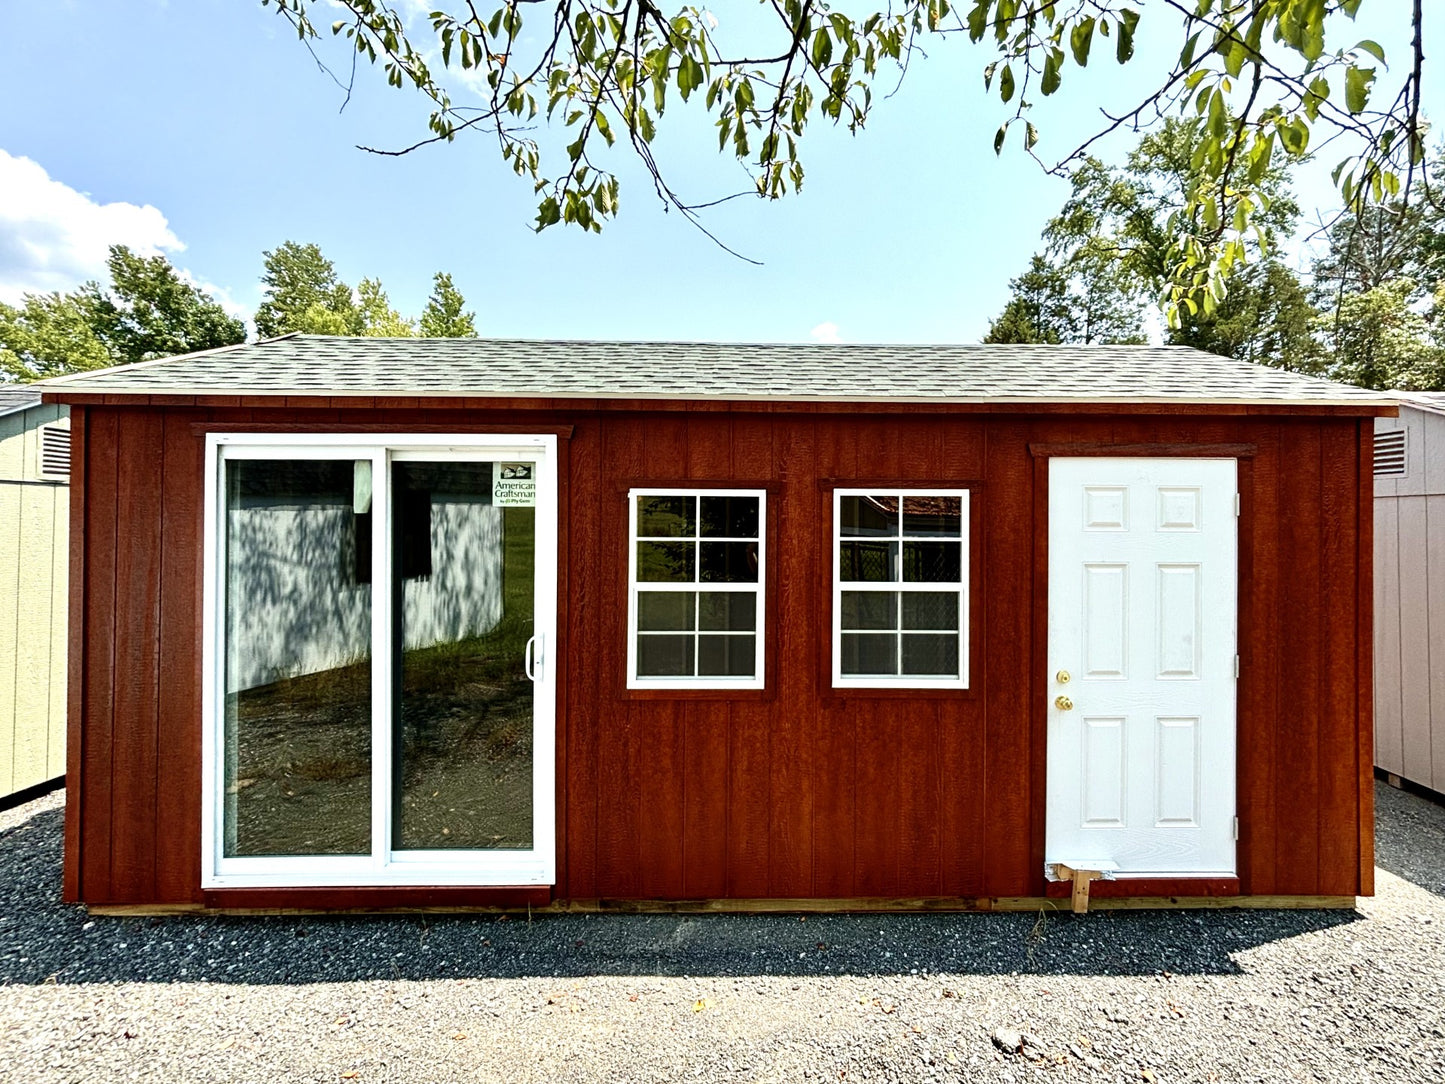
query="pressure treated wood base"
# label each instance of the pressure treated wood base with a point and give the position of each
(776, 906)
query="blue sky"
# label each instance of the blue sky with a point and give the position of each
(202, 128)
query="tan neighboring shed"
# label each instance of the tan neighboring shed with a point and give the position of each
(1410, 590)
(34, 527)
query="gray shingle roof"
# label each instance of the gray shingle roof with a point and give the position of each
(323, 365)
(15, 397)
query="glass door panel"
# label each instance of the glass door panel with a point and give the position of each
(296, 747)
(463, 597)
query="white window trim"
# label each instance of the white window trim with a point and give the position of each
(709, 681)
(383, 866)
(901, 681)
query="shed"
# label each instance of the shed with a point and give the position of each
(34, 511)
(1410, 591)
(365, 623)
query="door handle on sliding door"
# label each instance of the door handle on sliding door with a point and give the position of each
(531, 658)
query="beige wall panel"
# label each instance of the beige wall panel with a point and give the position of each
(1417, 427)
(1432, 448)
(12, 445)
(1388, 736)
(1388, 486)
(1414, 641)
(59, 630)
(9, 609)
(33, 636)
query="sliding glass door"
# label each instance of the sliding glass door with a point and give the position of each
(379, 618)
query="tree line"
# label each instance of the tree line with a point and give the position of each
(149, 310)
(1370, 310)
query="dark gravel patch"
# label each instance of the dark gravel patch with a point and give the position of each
(1171, 996)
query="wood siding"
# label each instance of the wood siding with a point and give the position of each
(34, 509)
(797, 790)
(1410, 604)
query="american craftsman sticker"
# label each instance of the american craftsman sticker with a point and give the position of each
(514, 485)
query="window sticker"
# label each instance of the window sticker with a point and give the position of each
(514, 485)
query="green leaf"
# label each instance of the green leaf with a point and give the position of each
(1006, 83)
(999, 137)
(1373, 48)
(978, 21)
(1050, 81)
(1357, 88)
(1124, 48)
(1031, 136)
(1080, 38)
(822, 48)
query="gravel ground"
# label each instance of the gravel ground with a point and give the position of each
(1158, 997)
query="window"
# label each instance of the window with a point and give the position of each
(900, 589)
(696, 577)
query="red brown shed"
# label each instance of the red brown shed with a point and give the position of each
(416, 623)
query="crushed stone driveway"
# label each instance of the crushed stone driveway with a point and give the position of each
(1158, 997)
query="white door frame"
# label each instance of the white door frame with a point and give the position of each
(1218, 671)
(383, 866)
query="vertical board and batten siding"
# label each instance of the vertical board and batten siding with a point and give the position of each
(34, 509)
(796, 790)
(1410, 603)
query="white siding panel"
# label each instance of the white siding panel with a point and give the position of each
(1414, 641)
(1388, 736)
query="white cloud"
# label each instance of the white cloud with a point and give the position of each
(826, 332)
(53, 237)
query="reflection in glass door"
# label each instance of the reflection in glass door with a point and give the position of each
(462, 605)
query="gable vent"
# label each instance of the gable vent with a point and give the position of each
(55, 450)
(1390, 452)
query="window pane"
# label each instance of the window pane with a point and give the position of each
(867, 562)
(870, 653)
(867, 516)
(666, 517)
(665, 611)
(933, 516)
(729, 562)
(930, 655)
(463, 701)
(297, 744)
(870, 610)
(664, 656)
(730, 517)
(930, 610)
(665, 562)
(727, 656)
(932, 562)
(728, 611)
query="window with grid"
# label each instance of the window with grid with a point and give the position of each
(900, 588)
(696, 582)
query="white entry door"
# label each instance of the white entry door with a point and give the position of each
(1142, 641)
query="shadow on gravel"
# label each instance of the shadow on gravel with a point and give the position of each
(43, 941)
(1410, 837)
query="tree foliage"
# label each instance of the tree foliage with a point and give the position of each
(1265, 80)
(1266, 317)
(303, 293)
(1378, 340)
(378, 319)
(147, 311)
(445, 315)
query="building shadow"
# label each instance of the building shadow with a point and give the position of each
(1410, 837)
(47, 941)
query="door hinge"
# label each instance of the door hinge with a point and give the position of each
(1236, 829)
(1237, 504)
(1236, 666)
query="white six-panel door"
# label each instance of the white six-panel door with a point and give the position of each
(1142, 641)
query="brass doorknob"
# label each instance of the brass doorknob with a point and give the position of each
(1063, 703)
(1062, 677)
